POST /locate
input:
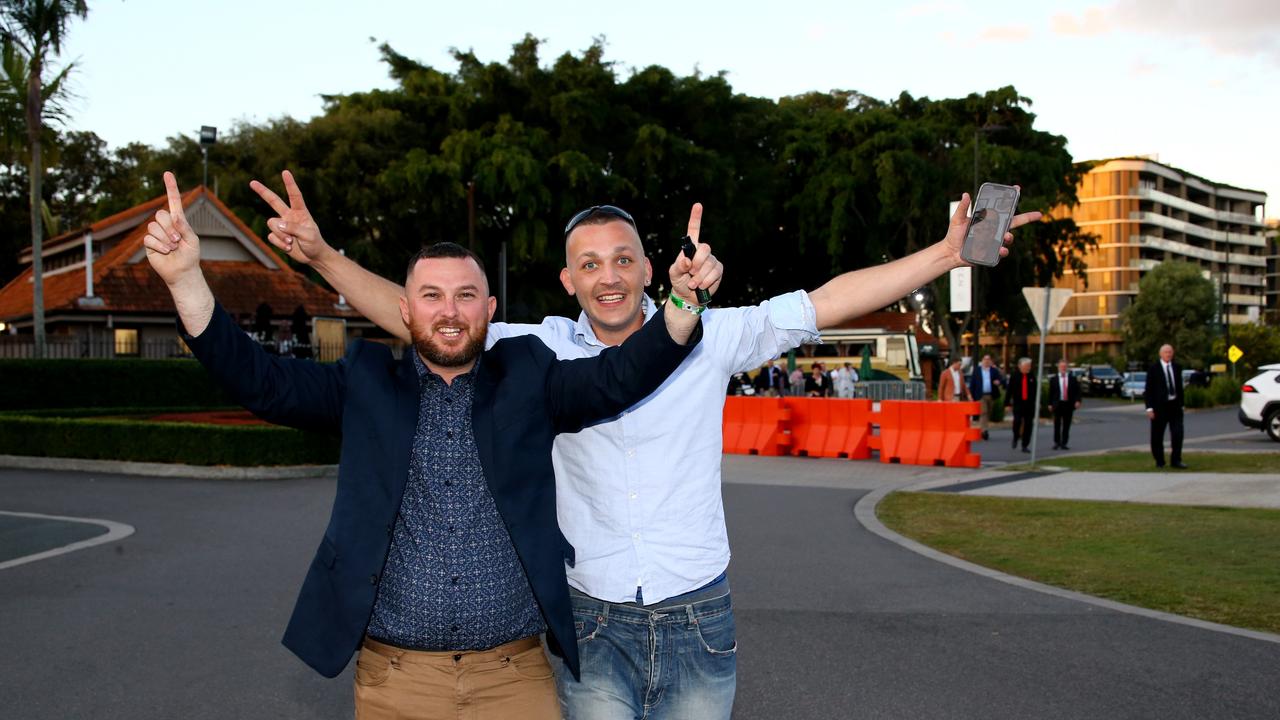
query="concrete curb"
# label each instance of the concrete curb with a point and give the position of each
(865, 513)
(169, 470)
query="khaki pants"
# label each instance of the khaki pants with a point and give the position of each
(985, 418)
(510, 681)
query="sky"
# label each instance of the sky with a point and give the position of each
(1192, 83)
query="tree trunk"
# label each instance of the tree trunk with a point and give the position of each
(35, 112)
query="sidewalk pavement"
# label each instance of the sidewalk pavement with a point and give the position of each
(1169, 488)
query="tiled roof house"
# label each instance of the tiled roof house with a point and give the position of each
(117, 302)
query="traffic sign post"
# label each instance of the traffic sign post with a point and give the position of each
(1054, 299)
(1234, 354)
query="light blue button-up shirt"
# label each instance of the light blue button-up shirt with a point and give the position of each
(639, 496)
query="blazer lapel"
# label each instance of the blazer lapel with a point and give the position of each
(405, 425)
(483, 430)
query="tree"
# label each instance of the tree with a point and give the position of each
(1260, 343)
(33, 31)
(1175, 305)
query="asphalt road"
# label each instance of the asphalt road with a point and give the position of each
(183, 618)
(1101, 424)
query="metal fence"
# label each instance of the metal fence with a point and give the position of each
(890, 390)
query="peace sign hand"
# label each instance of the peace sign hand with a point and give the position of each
(294, 231)
(173, 248)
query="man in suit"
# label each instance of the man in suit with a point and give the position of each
(772, 381)
(1163, 396)
(985, 385)
(951, 386)
(1021, 400)
(1064, 400)
(443, 561)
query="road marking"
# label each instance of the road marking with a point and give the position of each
(115, 531)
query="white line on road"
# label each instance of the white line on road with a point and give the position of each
(115, 531)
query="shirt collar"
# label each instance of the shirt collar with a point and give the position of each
(425, 374)
(585, 334)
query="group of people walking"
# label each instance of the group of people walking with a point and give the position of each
(986, 384)
(774, 381)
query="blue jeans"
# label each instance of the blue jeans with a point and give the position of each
(672, 660)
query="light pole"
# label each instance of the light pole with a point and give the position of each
(208, 136)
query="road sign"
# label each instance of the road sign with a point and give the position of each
(962, 289)
(1234, 354)
(1036, 301)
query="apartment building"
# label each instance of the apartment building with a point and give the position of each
(1144, 213)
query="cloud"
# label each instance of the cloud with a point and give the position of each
(1246, 28)
(1091, 23)
(1006, 33)
(1141, 67)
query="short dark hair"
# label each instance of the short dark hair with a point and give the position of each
(440, 250)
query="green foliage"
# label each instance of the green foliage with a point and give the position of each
(1100, 357)
(1260, 343)
(186, 443)
(838, 179)
(31, 384)
(1196, 397)
(1224, 390)
(1175, 305)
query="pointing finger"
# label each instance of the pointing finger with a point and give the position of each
(270, 197)
(175, 197)
(695, 222)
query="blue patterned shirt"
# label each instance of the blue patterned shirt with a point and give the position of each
(452, 580)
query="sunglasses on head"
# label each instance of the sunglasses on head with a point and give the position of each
(599, 210)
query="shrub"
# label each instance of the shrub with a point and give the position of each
(1224, 390)
(186, 443)
(29, 384)
(1195, 397)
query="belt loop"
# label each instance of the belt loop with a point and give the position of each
(693, 619)
(603, 618)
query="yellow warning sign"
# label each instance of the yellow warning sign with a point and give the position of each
(1234, 353)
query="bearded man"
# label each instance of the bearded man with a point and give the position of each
(443, 562)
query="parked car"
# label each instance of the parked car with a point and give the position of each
(1100, 380)
(1260, 401)
(1135, 383)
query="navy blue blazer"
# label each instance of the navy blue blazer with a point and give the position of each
(524, 396)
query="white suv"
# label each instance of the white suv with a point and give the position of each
(1260, 401)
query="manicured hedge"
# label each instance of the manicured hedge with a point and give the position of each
(186, 443)
(30, 384)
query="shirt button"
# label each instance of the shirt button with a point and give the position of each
(455, 579)
(373, 579)
(635, 536)
(633, 496)
(448, 401)
(631, 453)
(450, 528)
(448, 433)
(448, 483)
(453, 628)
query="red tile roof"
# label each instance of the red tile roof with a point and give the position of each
(135, 288)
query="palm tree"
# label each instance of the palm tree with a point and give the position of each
(35, 29)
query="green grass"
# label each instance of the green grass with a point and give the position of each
(1141, 461)
(1218, 564)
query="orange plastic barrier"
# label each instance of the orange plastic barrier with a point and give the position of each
(916, 432)
(830, 428)
(756, 426)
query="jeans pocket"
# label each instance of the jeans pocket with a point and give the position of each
(718, 634)
(585, 626)
(372, 669)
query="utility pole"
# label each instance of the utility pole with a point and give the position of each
(208, 136)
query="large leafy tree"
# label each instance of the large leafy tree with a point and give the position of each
(1175, 305)
(33, 31)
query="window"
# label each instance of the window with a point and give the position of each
(126, 341)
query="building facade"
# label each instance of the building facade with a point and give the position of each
(1144, 213)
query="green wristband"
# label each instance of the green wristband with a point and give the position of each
(687, 307)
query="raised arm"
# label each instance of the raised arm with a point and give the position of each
(859, 292)
(296, 233)
(297, 393)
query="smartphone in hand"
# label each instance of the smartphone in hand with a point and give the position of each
(993, 211)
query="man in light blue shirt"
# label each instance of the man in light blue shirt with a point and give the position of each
(985, 385)
(639, 496)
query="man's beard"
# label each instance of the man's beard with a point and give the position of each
(424, 343)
